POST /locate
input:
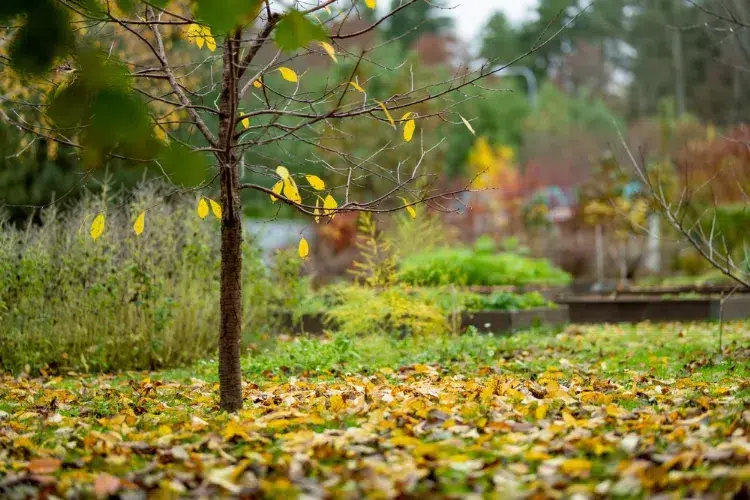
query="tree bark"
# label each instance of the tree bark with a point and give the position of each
(230, 329)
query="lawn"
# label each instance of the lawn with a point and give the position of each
(626, 411)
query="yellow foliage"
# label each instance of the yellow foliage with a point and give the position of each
(288, 74)
(97, 227)
(139, 224)
(304, 248)
(409, 128)
(491, 166)
(202, 208)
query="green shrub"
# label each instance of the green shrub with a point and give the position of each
(358, 310)
(507, 301)
(461, 266)
(123, 302)
(402, 310)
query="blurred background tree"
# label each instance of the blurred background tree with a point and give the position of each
(668, 75)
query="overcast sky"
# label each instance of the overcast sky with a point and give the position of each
(472, 15)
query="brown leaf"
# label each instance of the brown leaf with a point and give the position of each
(44, 465)
(106, 485)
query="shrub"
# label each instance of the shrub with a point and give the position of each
(358, 310)
(507, 301)
(122, 302)
(402, 310)
(461, 266)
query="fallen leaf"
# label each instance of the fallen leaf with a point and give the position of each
(44, 465)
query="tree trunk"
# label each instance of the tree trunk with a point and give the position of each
(230, 329)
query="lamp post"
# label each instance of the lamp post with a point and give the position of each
(530, 77)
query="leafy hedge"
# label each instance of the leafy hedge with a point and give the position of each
(462, 266)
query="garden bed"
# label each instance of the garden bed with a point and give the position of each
(490, 321)
(511, 321)
(637, 308)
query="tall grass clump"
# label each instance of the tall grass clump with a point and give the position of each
(123, 301)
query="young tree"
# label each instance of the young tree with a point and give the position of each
(127, 84)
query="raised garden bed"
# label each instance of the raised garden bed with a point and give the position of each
(312, 324)
(634, 309)
(510, 321)
(484, 321)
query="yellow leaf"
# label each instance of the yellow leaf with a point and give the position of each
(468, 125)
(615, 411)
(288, 74)
(404, 441)
(371, 3)
(329, 50)
(246, 122)
(337, 403)
(258, 84)
(304, 248)
(215, 208)
(202, 208)
(406, 116)
(140, 222)
(193, 31)
(282, 172)
(234, 430)
(328, 9)
(277, 190)
(195, 35)
(576, 467)
(208, 37)
(410, 209)
(97, 227)
(316, 182)
(290, 190)
(409, 130)
(387, 114)
(536, 456)
(569, 420)
(541, 411)
(211, 43)
(329, 204)
(357, 86)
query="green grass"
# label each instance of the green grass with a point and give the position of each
(616, 351)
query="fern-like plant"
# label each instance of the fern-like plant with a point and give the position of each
(378, 263)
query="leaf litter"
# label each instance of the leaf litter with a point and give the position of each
(429, 430)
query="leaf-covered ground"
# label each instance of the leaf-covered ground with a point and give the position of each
(588, 412)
